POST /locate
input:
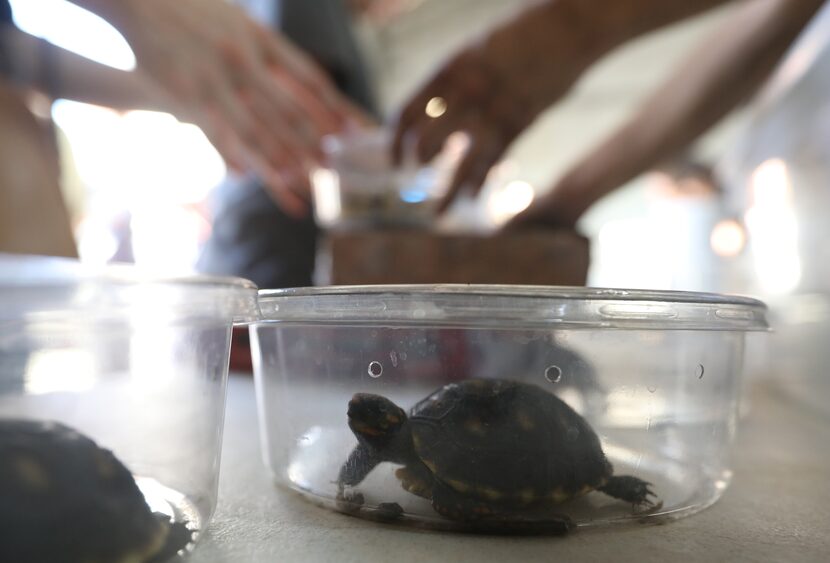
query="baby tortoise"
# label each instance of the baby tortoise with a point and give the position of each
(486, 450)
(63, 499)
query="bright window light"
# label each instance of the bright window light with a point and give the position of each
(74, 29)
(773, 228)
(145, 174)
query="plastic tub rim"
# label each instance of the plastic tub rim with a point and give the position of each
(514, 306)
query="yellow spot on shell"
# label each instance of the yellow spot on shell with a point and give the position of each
(32, 474)
(459, 486)
(585, 489)
(527, 496)
(490, 493)
(393, 419)
(474, 426)
(412, 484)
(524, 421)
(416, 441)
(430, 465)
(559, 495)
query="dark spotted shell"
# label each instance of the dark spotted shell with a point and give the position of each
(506, 441)
(65, 499)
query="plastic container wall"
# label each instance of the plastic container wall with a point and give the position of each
(655, 375)
(139, 366)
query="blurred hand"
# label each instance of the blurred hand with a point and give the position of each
(262, 102)
(382, 12)
(560, 208)
(493, 90)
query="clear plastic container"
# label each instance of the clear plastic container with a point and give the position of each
(137, 365)
(655, 375)
(361, 187)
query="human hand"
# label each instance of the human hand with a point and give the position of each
(382, 12)
(263, 103)
(493, 90)
(560, 208)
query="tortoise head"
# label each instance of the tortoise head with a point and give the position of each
(374, 418)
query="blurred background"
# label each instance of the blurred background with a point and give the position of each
(137, 182)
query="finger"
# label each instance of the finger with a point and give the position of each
(330, 111)
(433, 134)
(457, 84)
(278, 180)
(277, 110)
(414, 113)
(523, 219)
(299, 183)
(291, 149)
(230, 151)
(473, 169)
(549, 212)
(281, 54)
(229, 111)
(283, 196)
(318, 118)
(409, 121)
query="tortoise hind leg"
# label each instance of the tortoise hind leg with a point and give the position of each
(178, 538)
(630, 489)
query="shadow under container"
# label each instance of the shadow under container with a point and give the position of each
(137, 365)
(656, 375)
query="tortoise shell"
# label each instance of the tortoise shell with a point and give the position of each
(66, 499)
(505, 441)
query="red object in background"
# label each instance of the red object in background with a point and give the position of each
(241, 351)
(454, 354)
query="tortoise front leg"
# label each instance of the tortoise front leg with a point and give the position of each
(360, 463)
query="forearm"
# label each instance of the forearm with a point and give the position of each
(62, 74)
(607, 24)
(723, 72)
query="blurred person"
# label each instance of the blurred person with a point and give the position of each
(252, 237)
(261, 101)
(495, 88)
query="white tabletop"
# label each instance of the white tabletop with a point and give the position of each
(777, 508)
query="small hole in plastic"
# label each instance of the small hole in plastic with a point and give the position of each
(553, 374)
(375, 369)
